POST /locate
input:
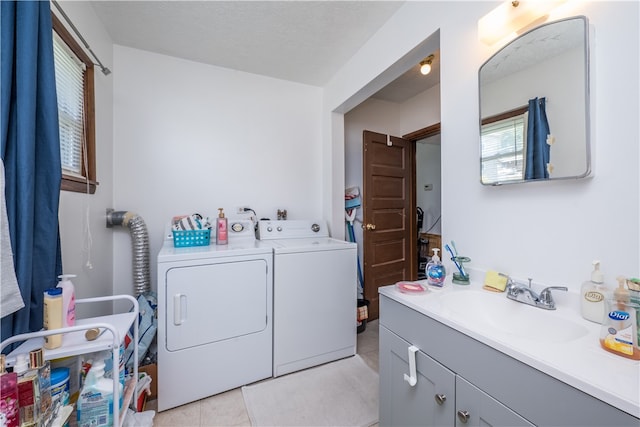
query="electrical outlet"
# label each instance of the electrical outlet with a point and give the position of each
(428, 187)
(241, 209)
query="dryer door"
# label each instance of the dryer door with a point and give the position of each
(214, 302)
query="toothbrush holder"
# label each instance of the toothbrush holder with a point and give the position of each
(459, 278)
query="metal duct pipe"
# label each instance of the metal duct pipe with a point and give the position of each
(139, 245)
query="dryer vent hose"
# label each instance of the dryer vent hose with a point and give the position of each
(139, 245)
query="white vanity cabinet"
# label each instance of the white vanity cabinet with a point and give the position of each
(480, 385)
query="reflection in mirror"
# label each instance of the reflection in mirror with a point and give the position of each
(534, 106)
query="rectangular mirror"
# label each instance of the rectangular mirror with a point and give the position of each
(534, 106)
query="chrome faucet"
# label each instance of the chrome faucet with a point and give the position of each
(526, 295)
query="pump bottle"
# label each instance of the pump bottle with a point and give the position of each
(435, 270)
(619, 334)
(221, 228)
(68, 299)
(593, 294)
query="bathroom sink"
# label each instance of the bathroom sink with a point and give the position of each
(495, 311)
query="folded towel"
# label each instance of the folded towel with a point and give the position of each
(10, 297)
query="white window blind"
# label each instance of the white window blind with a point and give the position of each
(503, 144)
(70, 92)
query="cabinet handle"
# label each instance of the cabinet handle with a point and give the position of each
(412, 378)
(369, 226)
(440, 398)
(463, 416)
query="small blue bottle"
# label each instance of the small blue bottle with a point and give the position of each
(436, 272)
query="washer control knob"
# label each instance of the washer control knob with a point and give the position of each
(269, 229)
(279, 228)
(315, 228)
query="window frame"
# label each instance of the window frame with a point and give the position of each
(507, 115)
(87, 182)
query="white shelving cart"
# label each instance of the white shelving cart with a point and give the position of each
(74, 343)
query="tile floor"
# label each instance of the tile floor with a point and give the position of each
(227, 409)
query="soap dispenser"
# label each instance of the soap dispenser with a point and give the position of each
(221, 228)
(435, 270)
(619, 333)
(593, 294)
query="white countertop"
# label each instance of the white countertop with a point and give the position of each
(581, 363)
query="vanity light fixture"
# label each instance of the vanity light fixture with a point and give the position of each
(513, 17)
(425, 65)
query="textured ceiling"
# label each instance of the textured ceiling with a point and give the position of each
(300, 41)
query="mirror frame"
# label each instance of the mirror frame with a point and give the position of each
(587, 102)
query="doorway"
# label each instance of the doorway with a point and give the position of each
(390, 235)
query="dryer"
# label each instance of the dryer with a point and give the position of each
(214, 316)
(315, 294)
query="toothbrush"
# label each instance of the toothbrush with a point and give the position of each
(453, 258)
(455, 251)
(453, 245)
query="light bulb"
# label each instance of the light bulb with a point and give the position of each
(425, 68)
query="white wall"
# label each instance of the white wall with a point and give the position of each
(82, 217)
(190, 137)
(429, 172)
(550, 231)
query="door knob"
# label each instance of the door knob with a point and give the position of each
(369, 226)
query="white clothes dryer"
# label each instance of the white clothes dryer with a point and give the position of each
(214, 316)
(315, 294)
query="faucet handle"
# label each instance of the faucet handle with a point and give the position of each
(546, 298)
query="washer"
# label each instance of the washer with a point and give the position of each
(315, 294)
(214, 316)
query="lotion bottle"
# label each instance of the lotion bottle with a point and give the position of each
(68, 299)
(619, 333)
(593, 294)
(435, 270)
(52, 317)
(221, 228)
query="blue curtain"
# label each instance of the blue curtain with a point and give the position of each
(538, 151)
(30, 149)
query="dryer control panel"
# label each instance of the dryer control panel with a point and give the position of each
(292, 229)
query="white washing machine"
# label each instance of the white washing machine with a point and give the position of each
(215, 307)
(315, 294)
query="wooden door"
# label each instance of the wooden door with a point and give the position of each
(389, 236)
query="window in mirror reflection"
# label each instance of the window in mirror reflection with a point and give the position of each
(503, 149)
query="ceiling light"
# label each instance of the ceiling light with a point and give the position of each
(425, 65)
(513, 17)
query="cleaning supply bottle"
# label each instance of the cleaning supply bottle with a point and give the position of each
(68, 299)
(593, 294)
(9, 409)
(435, 270)
(221, 228)
(28, 391)
(619, 333)
(52, 318)
(95, 404)
(42, 369)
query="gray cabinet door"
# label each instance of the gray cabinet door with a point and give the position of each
(431, 402)
(476, 408)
